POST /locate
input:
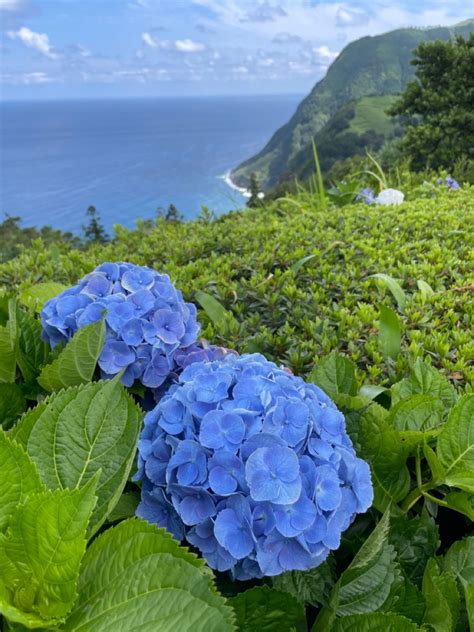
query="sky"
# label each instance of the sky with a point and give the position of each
(57, 49)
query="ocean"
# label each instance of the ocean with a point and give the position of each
(128, 157)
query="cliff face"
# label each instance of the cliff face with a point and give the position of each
(369, 67)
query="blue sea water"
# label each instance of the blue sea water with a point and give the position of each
(128, 157)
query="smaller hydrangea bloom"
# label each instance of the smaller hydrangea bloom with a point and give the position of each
(147, 321)
(366, 195)
(256, 463)
(389, 197)
(451, 183)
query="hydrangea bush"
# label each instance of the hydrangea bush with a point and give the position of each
(251, 465)
(147, 321)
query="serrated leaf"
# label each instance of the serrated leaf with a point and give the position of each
(459, 560)
(12, 404)
(32, 352)
(424, 380)
(8, 345)
(77, 361)
(82, 430)
(455, 446)
(40, 555)
(37, 295)
(410, 602)
(379, 444)
(19, 478)
(415, 541)
(366, 584)
(136, 577)
(217, 313)
(375, 622)
(308, 587)
(335, 374)
(442, 599)
(390, 332)
(262, 608)
(417, 412)
(393, 286)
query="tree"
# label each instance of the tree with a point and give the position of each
(94, 230)
(438, 105)
(256, 195)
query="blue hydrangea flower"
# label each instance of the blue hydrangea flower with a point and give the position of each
(366, 195)
(451, 183)
(255, 463)
(147, 321)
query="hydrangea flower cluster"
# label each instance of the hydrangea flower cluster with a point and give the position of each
(147, 321)
(389, 197)
(451, 183)
(251, 465)
(366, 195)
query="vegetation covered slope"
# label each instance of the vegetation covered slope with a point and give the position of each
(370, 66)
(297, 313)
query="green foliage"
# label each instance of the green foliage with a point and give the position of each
(102, 423)
(438, 104)
(94, 232)
(77, 361)
(264, 609)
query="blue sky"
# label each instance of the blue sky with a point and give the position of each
(96, 48)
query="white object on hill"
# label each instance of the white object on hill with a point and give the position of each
(389, 196)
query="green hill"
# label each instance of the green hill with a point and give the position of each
(369, 67)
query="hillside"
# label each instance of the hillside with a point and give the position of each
(370, 66)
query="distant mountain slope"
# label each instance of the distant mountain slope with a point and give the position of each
(368, 67)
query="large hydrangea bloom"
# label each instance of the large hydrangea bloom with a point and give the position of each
(147, 320)
(252, 466)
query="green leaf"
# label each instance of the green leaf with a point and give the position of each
(82, 430)
(410, 602)
(125, 508)
(335, 374)
(374, 622)
(390, 333)
(8, 345)
(19, 477)
(455, 447)
(425, 289)
(12, 404)
(371, 391)
(459, 560)
(32, 352)
(77, 361)
(218, 315)
(424, 380)
(379, 444)
(462, 502)
(136, 577)
(394, 287)
(442, 599)
(437, 470)
(415, 541)
(366, 585)
(267, 610)
(40, 555)
(296, 267)
(308, 587)
(37, 295)
(417, 412)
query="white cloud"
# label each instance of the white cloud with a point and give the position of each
(12, 5)
(241, 70)
(188, 46)
(325, 53)
(27, 78)
(38, 41)
(149, 40)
